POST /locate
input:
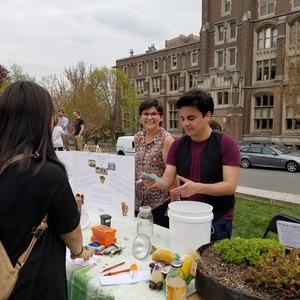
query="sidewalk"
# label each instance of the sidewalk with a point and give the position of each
(290, 200)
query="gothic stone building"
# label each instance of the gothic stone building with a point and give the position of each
(238, 58)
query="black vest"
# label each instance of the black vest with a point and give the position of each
(210, 170)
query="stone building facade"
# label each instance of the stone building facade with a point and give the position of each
(238, 58)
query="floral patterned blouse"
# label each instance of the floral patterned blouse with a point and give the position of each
(148, 158)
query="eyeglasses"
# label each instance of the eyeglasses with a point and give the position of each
(152, 115)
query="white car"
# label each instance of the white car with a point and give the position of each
(125, 145)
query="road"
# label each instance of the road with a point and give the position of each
(269, 179)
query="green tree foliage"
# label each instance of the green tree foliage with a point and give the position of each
(4, 74)
(115, 90)
(74, 90)
(15, 73)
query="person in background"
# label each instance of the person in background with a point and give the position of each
(57, 136)
(207, 162)
(63, 122)
(152, 145)
(78, 131)
(33, 185)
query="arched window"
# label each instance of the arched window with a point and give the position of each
(267, 38)
(220, 99)
(226, 98)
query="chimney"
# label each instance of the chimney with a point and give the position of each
(131, 52)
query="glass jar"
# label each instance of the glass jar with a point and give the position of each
(175, 282)
(145, 221)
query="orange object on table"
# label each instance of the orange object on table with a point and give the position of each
(104, 235)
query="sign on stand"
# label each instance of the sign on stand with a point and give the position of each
(289, 234)
(105, 180)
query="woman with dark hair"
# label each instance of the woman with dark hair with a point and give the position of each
(152, 145)
(33, 183)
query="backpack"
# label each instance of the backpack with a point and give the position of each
(8, 273)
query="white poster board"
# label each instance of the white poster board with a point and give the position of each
(289, 234)
(105, 180)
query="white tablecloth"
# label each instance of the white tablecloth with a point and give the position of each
(83, 282)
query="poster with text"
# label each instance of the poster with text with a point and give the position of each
(105, 180)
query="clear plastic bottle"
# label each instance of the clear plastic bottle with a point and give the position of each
(176, 285)
(145, 221)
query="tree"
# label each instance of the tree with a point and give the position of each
(114, 88)
(4, 74)
(15, 73)
(291, 88)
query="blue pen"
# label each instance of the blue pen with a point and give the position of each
(140, 180)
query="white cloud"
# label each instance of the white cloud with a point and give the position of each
(44, 37)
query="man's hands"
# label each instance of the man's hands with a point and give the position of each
(188, 189)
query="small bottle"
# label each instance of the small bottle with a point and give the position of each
(145, 221)
(175, 282)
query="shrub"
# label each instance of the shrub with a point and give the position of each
(239, 250)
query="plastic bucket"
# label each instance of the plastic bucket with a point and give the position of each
(190, 225)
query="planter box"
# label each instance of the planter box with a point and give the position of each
(210, 289)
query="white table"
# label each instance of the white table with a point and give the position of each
(84, 281)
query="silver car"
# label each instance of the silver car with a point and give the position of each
(278, 157)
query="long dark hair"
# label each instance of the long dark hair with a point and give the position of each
(26, 112)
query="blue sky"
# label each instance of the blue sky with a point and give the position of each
(44, 37)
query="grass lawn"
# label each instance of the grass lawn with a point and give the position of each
(251, 218)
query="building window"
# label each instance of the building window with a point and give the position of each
(226, 101)
(267, 7)
(291, 122)
(140, 86)
(174, 61)
(173, 116)
(233, 30)
(156, 85)
(266, 69)
(220, 59)
(232, 57)
(155, 65)
(174, 82)
(267, 38)
(125, 70)
(194, 57)
(191, 79)
(227, 5)
(296, 3)
(220, 99)
(221, 33)
(263, 112)
(139, 66)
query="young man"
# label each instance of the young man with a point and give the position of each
(63, 123)
(79, 128)
(207, 162)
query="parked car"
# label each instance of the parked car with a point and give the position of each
(270, 156)
(125, 145)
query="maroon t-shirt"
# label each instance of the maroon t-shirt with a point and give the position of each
(230, 157)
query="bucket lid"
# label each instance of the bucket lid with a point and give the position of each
(190, 206)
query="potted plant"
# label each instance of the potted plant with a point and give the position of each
(248, 269)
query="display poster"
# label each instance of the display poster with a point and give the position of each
(289, 234)
(106, 181)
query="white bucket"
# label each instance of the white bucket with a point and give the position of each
(190, 225)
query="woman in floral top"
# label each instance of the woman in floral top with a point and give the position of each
(152, 146)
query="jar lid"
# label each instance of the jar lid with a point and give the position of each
(176, 264)
(145, 209)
